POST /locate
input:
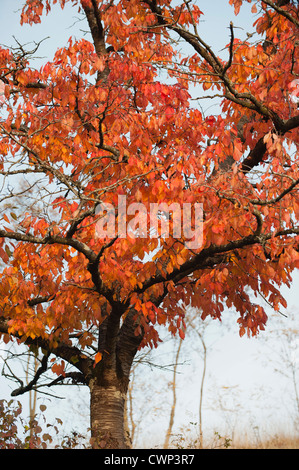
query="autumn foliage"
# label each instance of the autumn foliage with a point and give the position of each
(111, 115)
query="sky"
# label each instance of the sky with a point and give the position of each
(238, 368)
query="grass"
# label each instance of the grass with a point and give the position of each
(278, 441)
(218, 441)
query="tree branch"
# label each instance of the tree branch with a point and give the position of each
(231, 44)
(69, 353)
(247, 100)
(213, 255)
(257, 154)
(94, 20)
(281, 11)
(51, 239)
(23, 389)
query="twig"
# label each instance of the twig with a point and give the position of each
(229, 63)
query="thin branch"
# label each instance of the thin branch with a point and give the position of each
(62, 178)
(281, 11)
(40, 300)
(213, 255)
(51, 239)
(69, 353)
(276, 199)
(32, 383)
(231, 52)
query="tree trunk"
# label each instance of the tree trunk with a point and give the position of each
(107, 404)
(109, 379)
(173, 407)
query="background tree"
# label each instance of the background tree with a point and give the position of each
(201, 333)
(284, 358)
(102, 122)
(172, 385)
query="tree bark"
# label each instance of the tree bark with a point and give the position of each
(109, 382)
(107, 404)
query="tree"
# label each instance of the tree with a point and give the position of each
(172, 384)
(283, 356)
(121, 161)
(200, 331)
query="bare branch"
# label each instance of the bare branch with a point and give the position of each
(23, 389)
(231, 52)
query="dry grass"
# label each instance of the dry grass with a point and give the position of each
(280, 441)
(220, 441)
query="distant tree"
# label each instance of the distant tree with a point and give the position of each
(100, 135)
(284, 358)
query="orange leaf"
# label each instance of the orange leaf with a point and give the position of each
(98, 357)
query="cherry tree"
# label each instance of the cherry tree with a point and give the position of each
(138, 205)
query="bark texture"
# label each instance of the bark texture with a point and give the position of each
(107, 404)
(109, 381)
